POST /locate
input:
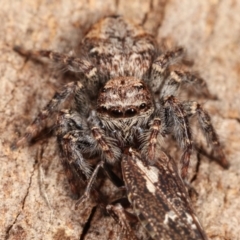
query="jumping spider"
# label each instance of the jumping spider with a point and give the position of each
(126, 96)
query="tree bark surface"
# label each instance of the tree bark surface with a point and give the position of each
(35, 200)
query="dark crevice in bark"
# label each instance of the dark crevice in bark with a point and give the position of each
(8, 231)
(88, 224)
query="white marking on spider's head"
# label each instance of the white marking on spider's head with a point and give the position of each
(193, 107)
(176, 77)
(91, 73)
(169, 215)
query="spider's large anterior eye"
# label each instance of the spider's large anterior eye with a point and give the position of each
(140, 87)
(103, 109)
(116, 113)
(104, 89)
(130, 112)
(142, 106)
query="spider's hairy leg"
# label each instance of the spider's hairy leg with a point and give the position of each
(90, 183)
(74, 139)
(78, 135)
(177, 78)
(106, 145)
(48, 110)
(181, 130)
(168, 58)
(160, 67)
(69, 63)
(194, 108)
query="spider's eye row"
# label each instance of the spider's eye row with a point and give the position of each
(140, 87)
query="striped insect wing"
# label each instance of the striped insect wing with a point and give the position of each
(159, 198)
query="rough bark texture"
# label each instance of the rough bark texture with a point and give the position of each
(35, 201)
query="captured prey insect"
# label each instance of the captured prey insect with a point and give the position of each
(125, 96)
(159, 197)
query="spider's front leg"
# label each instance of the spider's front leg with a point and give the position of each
(73, 137)
(78, 136)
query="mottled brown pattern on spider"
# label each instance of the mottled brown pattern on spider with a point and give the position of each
(125, 96)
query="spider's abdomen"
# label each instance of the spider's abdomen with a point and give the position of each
(120, 48)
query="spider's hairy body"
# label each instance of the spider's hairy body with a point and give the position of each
(126, 96)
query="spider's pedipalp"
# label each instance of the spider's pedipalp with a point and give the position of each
(151, 138)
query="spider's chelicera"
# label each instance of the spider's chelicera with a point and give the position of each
(126, 96)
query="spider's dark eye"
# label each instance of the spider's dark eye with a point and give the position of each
(142, 106)
(140, 87)
(130, 112)
(104, 89)
(103, 109)
(116, 113)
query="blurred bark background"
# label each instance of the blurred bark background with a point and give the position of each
(35, 200)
